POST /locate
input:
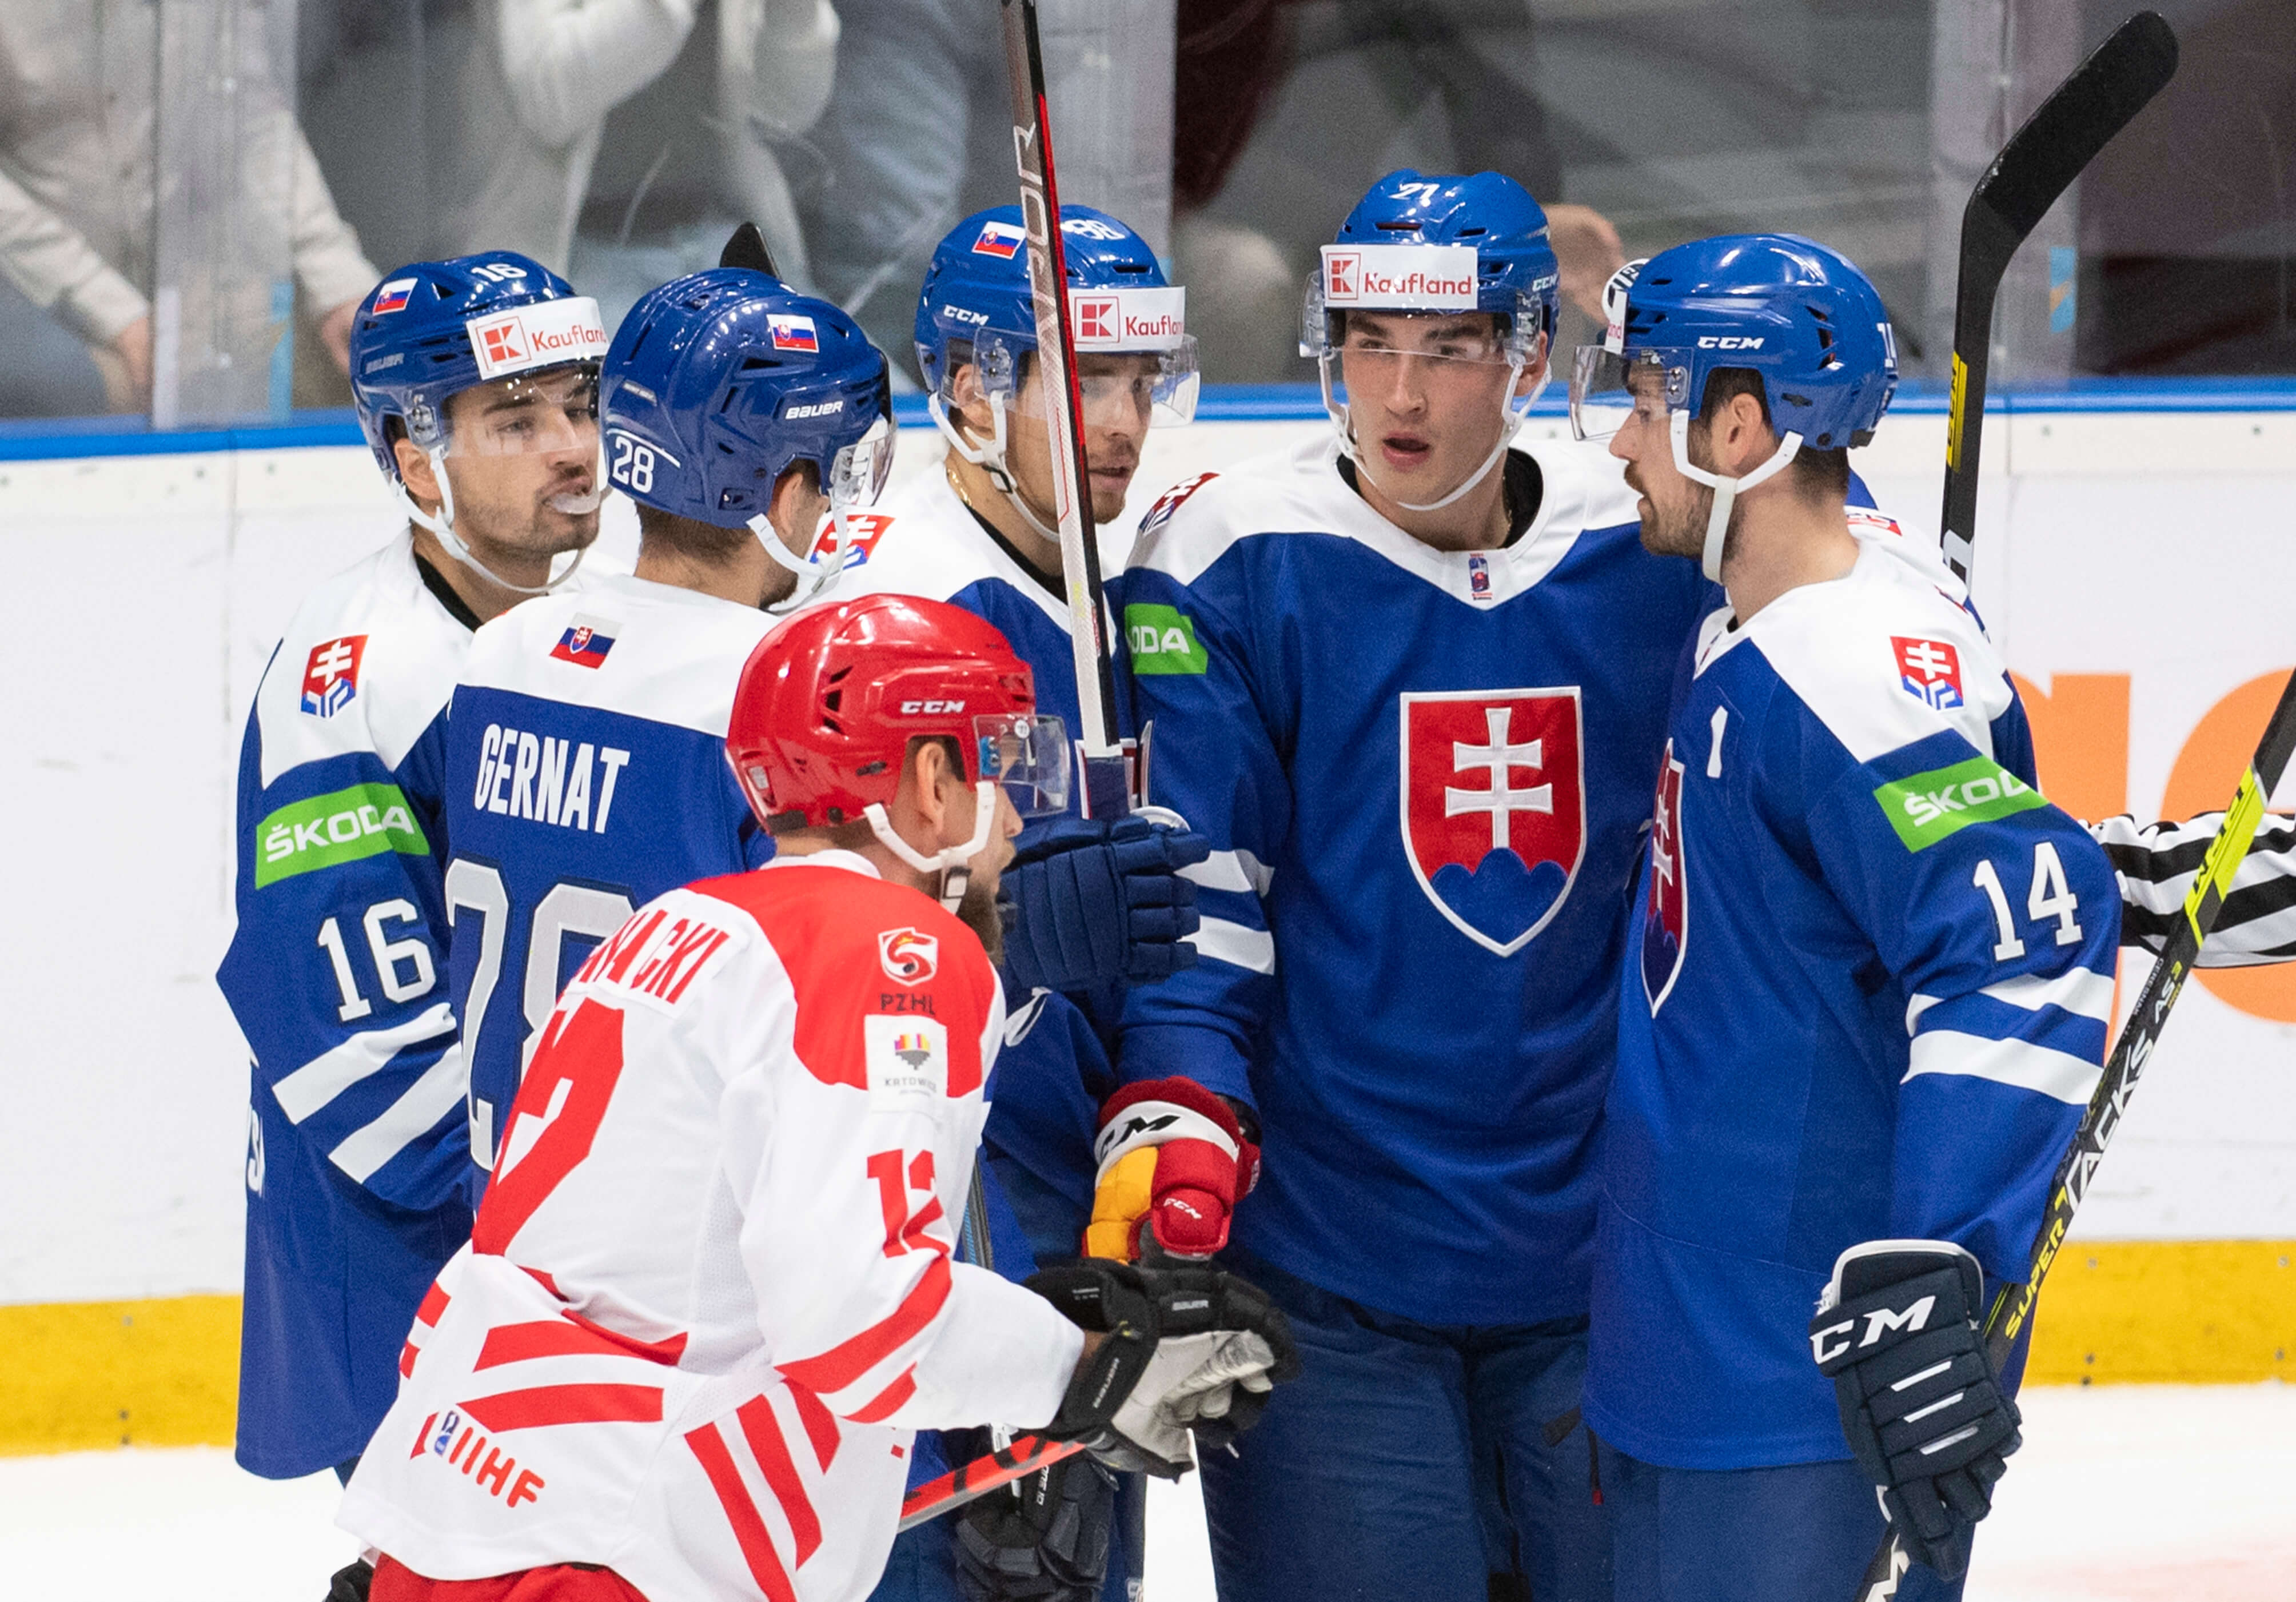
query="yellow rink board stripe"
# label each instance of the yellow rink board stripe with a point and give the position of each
(2167, 1312)
(94, 1374)
(85, 1375)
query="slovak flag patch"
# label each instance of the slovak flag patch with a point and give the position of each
(868, 529)
(1930, 670)
(585, 642)
(792, 333)
(330, 675)
(1001, 240)
(392, 296)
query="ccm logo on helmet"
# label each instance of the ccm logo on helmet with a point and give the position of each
(913, 709)
(1729, 341)
(908, 956)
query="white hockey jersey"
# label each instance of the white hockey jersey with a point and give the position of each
(710, 1292)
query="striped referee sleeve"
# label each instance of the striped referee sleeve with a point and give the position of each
(2156, 864)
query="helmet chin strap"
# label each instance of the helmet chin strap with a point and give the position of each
(1509, 421)
(990, 457)
(812, 577)
(442, 524)
(953, 864)
(1726, 490)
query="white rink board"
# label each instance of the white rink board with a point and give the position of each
(145, 593)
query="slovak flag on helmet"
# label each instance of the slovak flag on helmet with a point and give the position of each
(1001, 240)
(392, 296)
(792, 333)
(1930, 670)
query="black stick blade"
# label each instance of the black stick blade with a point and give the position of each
(747, 248)
(2103, 95)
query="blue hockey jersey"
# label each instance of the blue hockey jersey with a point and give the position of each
(1866, 996)
(1425, 776)
(336, 974)
(1055, 1068)
(585, 775)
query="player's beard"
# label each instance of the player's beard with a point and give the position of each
(1680, 529)
(977, 910)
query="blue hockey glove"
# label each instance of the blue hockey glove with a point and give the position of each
(1087, 903)
(1924, 1413)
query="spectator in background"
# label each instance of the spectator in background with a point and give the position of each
(78, 136)
(696, 151)
(527, 84)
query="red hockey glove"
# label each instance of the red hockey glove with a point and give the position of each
(1173, 1164)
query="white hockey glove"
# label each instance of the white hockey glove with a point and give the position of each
(1186, 1349)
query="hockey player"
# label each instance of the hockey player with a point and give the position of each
(1867, 981)
(980, 532)
(585, 761)
(476, 385)
(710, 1292)
(1412, 685)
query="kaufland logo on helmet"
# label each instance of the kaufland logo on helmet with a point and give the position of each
(1401, 278)
(1128, 319)
(541, 335)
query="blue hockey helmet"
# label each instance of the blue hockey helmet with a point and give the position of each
(1405, 248)
(433, 329)
(1799, 314)
(720, 381)
(1422, 244)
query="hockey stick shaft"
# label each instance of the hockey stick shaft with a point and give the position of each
(971, 1480)
(2038, 164)
(1105, 787)
(2013, 1306)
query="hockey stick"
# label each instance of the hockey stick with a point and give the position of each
(971, 1480)
(2038, 164)
(1105, 790)
(2012, 1305)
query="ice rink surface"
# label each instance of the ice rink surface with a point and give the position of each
(2128, 1494)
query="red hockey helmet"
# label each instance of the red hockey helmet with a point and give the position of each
(828, 701)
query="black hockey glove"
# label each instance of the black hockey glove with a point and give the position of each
(1897, 1333)
(1048, 1544)
(1086, 903)
(351, 1583)
(1187, 1347)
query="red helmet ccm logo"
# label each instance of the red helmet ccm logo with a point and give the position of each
(908, 956)
(928, 709)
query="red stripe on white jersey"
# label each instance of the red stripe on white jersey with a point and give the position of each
(542, 1406)
(820, 1424)
(708, 1448)
(881, 1407)
(841, 1365)
(763, 1431)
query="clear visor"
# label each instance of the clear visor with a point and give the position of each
(856, 478)
(1120, 390)
(527, 413)
(1028, 755)
(1607, 388)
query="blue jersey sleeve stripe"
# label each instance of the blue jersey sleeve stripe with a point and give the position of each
(1987, 1019)
(2057, 1074)
(1220, 940)
(414, 1115)
(2082, 990)
(336, 1070)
